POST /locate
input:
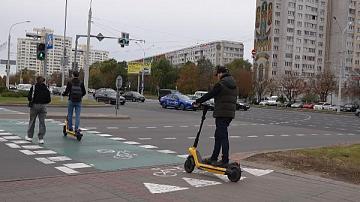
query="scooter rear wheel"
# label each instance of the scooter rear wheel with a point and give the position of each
(189, 164)
(79, 136)
(234, 172)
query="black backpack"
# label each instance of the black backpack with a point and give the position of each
(76, 92)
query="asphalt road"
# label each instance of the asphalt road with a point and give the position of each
(153, 139)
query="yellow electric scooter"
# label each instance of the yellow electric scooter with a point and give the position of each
(232, 170)
(66, 131)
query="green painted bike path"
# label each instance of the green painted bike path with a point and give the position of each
(100, 152)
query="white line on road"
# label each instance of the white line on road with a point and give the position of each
(300, 135)
(27, 152)
(190, 138)
(148, 146)
(112, 128)
(44, 152)
(144, 138)
(269, 135)
(117, 138)
(32, 147)
(5, 133)
(168, 126)
(131, 142)
(151, 127)
(284, 135)
(104, 135)
(314, 134)
(183, 156)
(59, 158)
(133, 127)
(45, 160)
(170, 138)
(13, 145)
(234, 136)
(66, 170)
(77, 165)
(12, 137)
(166, 151)
(252, 136)
(3, 140)
(93, 132)
(21, 142)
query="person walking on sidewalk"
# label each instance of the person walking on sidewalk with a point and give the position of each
(225, 94)
(39, 97)
(76, 90)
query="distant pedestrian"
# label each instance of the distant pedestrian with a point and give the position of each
(76, 90)
(39, 97)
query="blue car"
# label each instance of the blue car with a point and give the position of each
(177, 101)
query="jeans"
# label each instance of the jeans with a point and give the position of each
(37, 110)
(71, 106)
(221, 139)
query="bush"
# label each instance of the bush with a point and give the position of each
(3, 89)
(14, 94)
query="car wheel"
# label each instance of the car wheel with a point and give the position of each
(163, 105)
(182, 107)
(245, 109)
(133, 100)
(122, 103)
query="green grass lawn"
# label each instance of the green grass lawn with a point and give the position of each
(55, 100)
(338, 162)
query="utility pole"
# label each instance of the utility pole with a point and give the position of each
(86, 65)
(64, 53)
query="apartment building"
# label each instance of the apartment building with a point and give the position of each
(218, 52)
(290, 37)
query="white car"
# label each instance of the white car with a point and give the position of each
(263, 103)
(322, 105)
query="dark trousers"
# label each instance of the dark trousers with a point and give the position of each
(37, 110)
(221, 139)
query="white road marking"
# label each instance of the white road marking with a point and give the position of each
(162, 188)
(166, 151)
(5, 133)
(350, 134)
(184, 156)
(66, 170)
(93, 132)
(151, 127)
(45, 160)
(168, 126)
(190, 138)
(44, 152)
(257, 172)
(234, 136)
(144, 138)
(314, 134)
(133, 127)
(21, 142)
(2, 130)
(148, 146)
(200, 183)
(131, 142)
(252, 136)
(112, 128)
(104, 135)
(12, 137)
(300, 135)
(77, 165)
(59, 158)
(91, 128)
(117, 138)
(32, 147)
(84, 129)
(27, 152)
(284, 135)
(3, 140)
(170, 138)
(269, 135)
(13, 145)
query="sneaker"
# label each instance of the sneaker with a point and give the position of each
(41, 141)
(27, 138)
(222, 164)
(209, 161)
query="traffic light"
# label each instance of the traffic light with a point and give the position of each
(124, 40)
(40, 51)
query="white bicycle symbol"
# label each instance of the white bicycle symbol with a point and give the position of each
(122, 154)
(167, 172)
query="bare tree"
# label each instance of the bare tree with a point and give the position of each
(272, 87)
(323, 84)
(260, 88)
(292, 86)
(352, 88)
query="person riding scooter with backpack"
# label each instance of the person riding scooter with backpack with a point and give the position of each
(225, 94)
(76, 90)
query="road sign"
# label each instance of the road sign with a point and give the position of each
(100, 37)
(49, 41)
(253, 52)
(119, 82)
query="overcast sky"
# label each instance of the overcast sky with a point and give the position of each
(165, 25)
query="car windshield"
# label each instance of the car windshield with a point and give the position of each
(137, 94)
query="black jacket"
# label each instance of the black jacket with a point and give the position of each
(41, 94)
(69, 86)
(225, 94)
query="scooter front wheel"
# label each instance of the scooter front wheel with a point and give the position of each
(189, 164)
(234, 172)
(64, 131)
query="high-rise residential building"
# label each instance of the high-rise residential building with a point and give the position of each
(218, 52)
(26, 52)
(290, 37)
(94, 56)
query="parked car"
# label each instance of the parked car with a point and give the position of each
(297, 105)
(163, 92)
(350, 107)
(58, 90)
(308, 106)
(273, 101)
(242, 105)
(134, 96)
(263, 103)
(91, 90)
(24, 87)
(177, 101)
(108, 95)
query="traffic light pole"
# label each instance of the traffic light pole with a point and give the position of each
(45, 60)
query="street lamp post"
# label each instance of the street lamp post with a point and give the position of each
(143, 68)
(8, 59)
(64, 49)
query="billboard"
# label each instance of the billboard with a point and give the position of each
(136, 67)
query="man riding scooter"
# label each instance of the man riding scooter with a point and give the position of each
(225, 94)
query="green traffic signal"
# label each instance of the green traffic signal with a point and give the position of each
(40, 51)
